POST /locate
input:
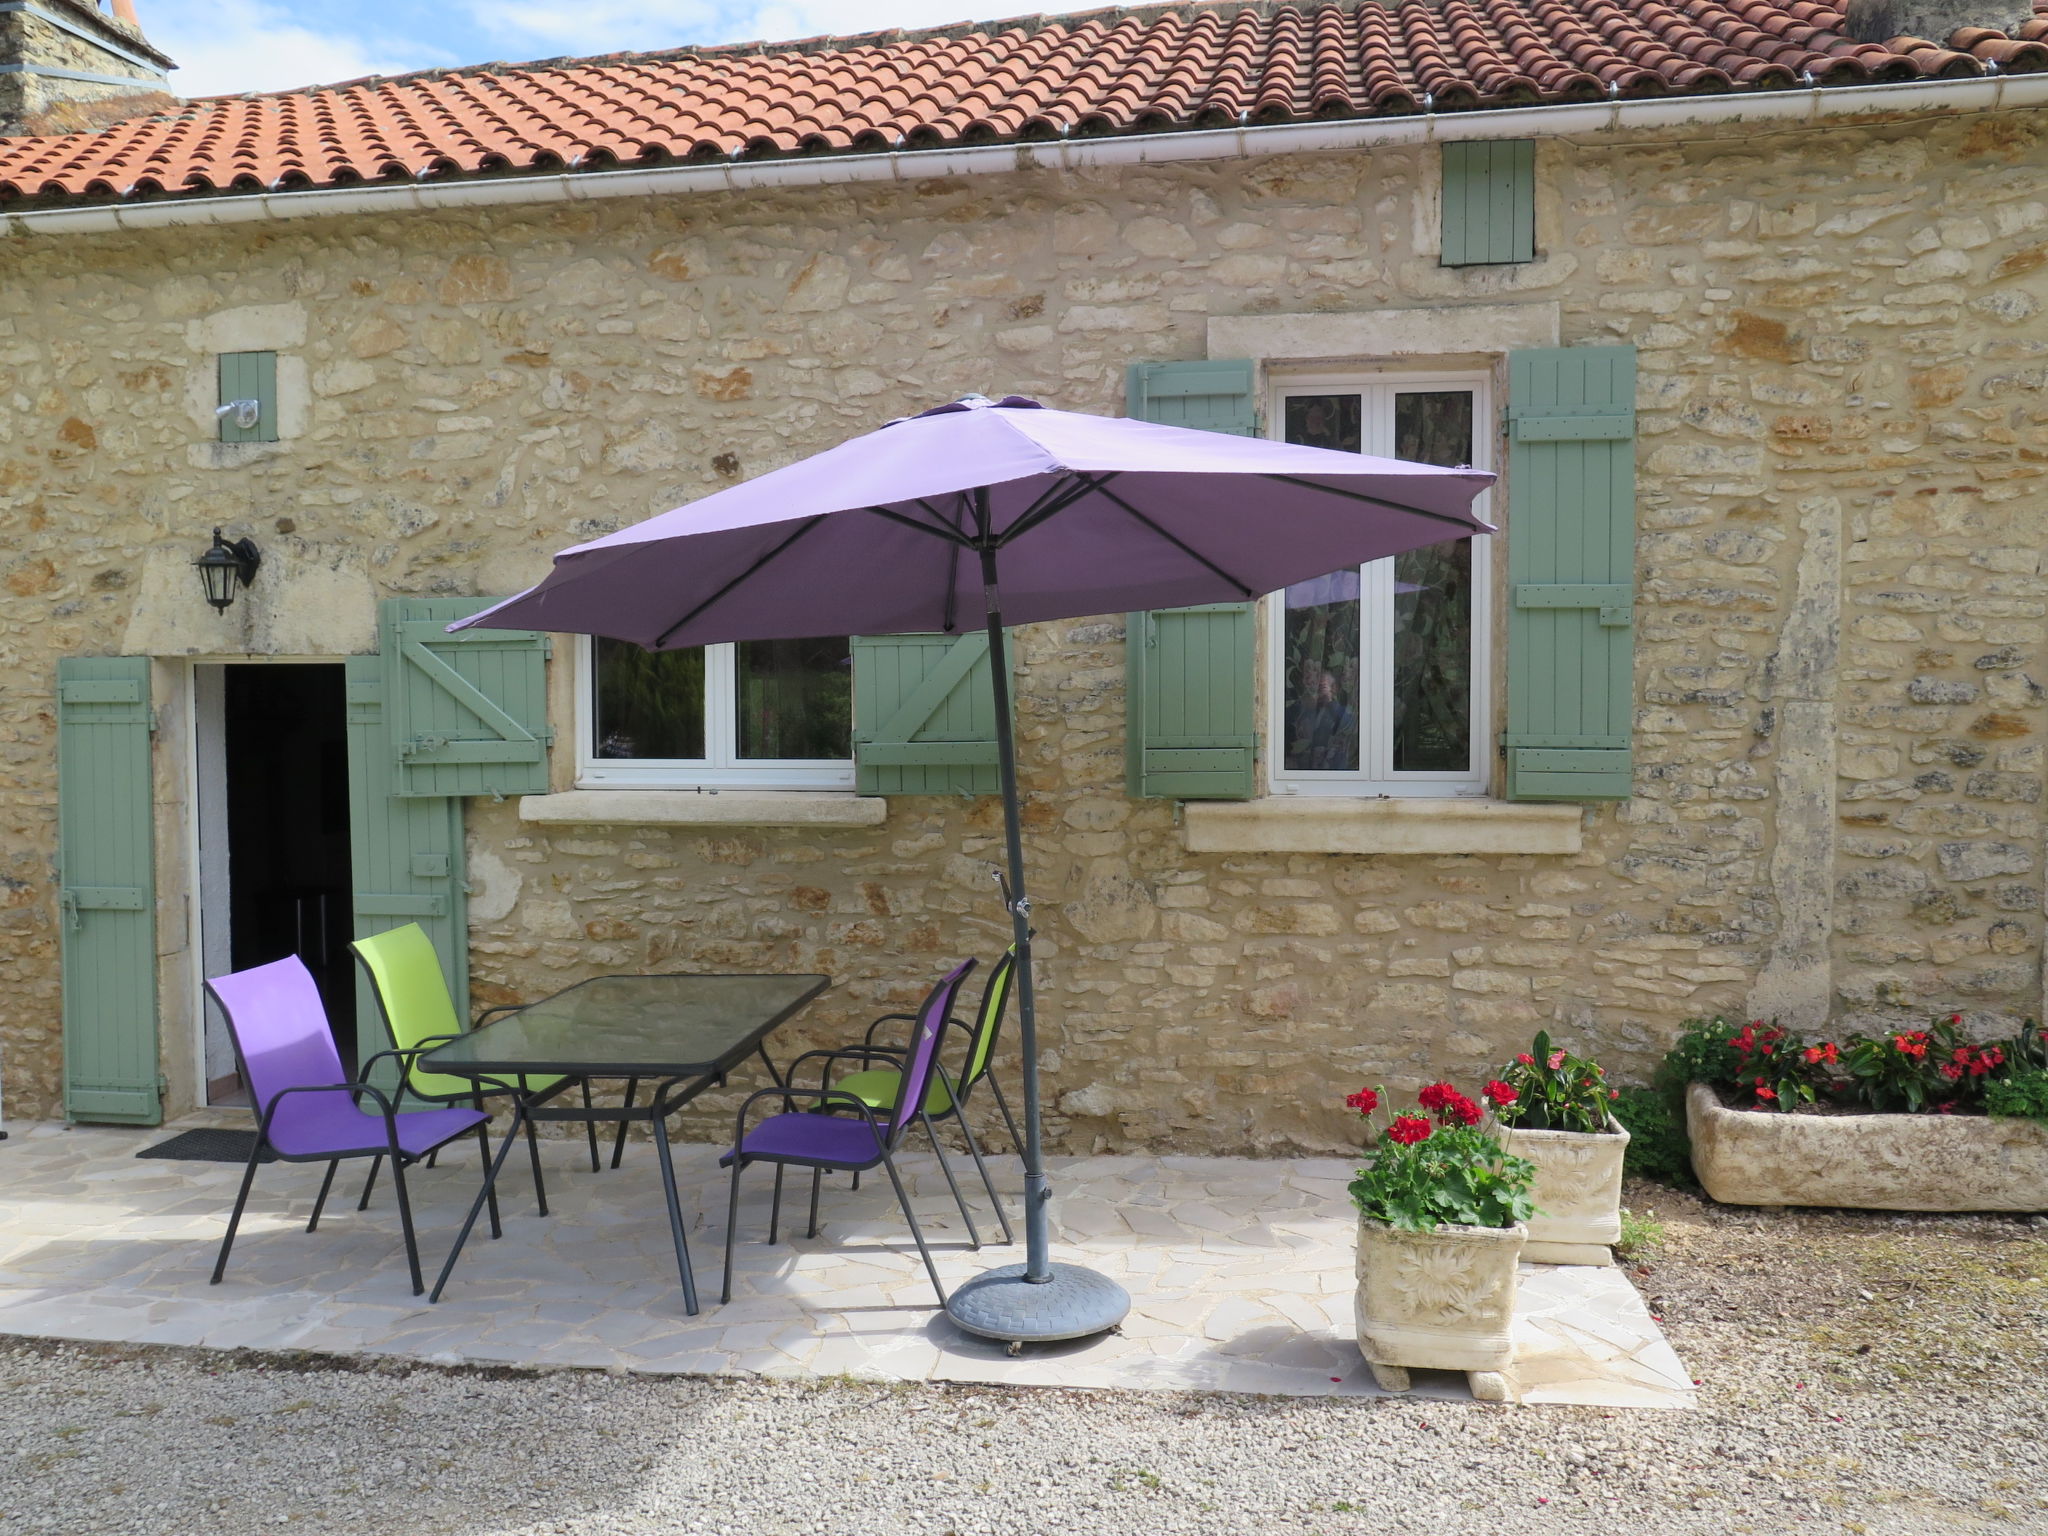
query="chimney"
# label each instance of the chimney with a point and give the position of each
(1879, 21)
(68, 66)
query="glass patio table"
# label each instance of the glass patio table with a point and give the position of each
(685, 1033)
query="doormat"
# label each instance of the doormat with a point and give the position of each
(209, 1145)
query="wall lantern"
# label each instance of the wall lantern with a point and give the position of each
(226, 566)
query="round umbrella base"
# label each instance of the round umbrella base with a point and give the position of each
(1073, 1304)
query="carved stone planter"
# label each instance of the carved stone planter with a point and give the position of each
(1442, 1300)
(1578, 1193)
(1871, 1162)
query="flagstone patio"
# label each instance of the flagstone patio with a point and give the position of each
(1240, 1273)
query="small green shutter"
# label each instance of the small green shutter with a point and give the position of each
(1188, 674)
(106, 855)
(405, 851)
(1188, 728)
(924, 719)
(1214, 396)
(1571, 572)
(468, 712)
(1489, 202)
(249, 376)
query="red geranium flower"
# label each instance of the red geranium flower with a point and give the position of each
(1463, 1110)
(1436, 1096)
(1408, 1130)
(1500, 1094)
(1365, 1101)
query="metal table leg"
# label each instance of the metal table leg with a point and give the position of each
(490, 1184)
(659, 1125)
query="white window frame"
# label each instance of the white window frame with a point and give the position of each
(1375, 776)
(721, 767)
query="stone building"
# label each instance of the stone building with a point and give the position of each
(1738, 711)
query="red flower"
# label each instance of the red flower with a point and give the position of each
(1529, 1061)
(1499, 1094)
(1765, 1091)
(1822, 1054)
(1408, 1130)
(1951, 1071)
(1913, 1043)
(1463, 1110)
(1614, 1093)
(1365, 1101)
(1436, 1096)
(1955, 1018)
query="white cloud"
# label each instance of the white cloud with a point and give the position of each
(539, 27)
(230, 46)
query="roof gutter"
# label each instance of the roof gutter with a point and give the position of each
(1813, 107)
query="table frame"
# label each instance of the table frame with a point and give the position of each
(673, 1091)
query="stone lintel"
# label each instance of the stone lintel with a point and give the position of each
(1444, 330)
(716, 808)
(1333, 824)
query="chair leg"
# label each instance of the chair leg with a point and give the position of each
(320, 1203)
(817, 1184)
(973, 1235)
(619, 1141)
(590, 1130)
(412, 1247)
(987, 1183)
(235, 1217)
(1016, 1141)
(540, 1189)
(903, 1199)
(371, 1182)
(483, 1139)
(732, 1229)
(434, 1157)
(775, 1205)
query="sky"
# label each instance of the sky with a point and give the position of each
(271, 45)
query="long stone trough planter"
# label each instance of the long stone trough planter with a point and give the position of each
(1872, 1162)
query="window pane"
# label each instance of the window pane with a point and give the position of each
(1433, 604)
(1324, 421)
(649, 703)
(796, 698)
(1322, 673)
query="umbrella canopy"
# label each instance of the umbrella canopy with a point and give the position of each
(1052, 515)
(1089, 514)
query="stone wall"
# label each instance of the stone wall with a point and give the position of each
(33, 102)
(1844, 408)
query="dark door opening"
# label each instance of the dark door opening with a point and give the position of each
(282, 767)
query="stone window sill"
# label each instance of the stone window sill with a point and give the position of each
(693, 808)
(1332, 824)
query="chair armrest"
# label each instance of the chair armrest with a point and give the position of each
(501, 1008)
(353, 1090)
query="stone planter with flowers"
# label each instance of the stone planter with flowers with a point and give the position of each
(1552, 1108)
(1910, 1120)
(1441, 1210)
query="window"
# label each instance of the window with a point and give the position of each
(1377, 679)
(765, 714)
(248, 397)
(1489, 202)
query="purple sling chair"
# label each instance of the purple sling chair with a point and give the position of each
(832, 1142)
(307, 1109)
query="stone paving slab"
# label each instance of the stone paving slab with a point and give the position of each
(1240, 1272)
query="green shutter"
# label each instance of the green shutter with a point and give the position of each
(405, 851)
(469, 711)
(106, 855)
(924, 720)
(1188, 727)
(1189, 734)
(1489, 202)
(249, 376)
(1214, 396)
(1571, 572)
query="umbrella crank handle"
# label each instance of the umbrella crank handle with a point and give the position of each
(1016, 904)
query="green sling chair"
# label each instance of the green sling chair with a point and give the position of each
(875, 1086)
(418, 1012)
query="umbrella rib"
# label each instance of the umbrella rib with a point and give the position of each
(1058, 497)
(1377, 501)
(926, 529)
(802, 529)
(1192, 554)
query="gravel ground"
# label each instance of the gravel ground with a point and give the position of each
(1859, 1374)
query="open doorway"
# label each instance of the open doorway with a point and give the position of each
(274, 874)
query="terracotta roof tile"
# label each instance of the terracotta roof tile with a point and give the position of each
(1108, 71)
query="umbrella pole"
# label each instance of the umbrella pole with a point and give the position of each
(1037, 1189)
(1037, 1300)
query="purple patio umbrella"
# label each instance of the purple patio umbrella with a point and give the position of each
(1054, 515)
